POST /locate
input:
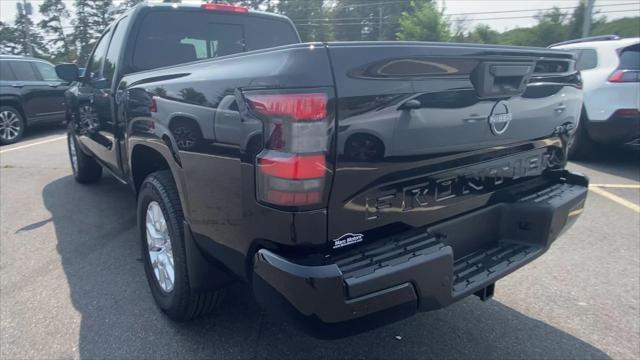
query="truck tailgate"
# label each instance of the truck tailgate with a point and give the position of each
(429, 131)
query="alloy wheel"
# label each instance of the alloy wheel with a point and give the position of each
(159, 247)
(10, 125)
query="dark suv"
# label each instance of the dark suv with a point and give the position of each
(30, 93)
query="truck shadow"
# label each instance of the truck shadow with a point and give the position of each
(100, 254)
(617, 161)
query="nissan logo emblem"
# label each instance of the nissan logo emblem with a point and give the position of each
(500, 117)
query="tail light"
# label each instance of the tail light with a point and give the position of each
(225, 7)
(627, 112)
(292, 170)
(622, 76)
(153, 105)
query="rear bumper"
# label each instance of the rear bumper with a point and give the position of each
(618, 129)
(423, 269)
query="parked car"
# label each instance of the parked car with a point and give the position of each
(610, 68)
(30, 93)
(265, 193)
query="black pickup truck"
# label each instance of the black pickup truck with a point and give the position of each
(350, 184)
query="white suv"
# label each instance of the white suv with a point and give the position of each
(610, 68)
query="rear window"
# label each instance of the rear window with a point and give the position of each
(586, 58)
(5, 71)
(170, 38)
(23, 71)
(630, 58)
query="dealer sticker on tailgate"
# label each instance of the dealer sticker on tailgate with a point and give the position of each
(347, 239)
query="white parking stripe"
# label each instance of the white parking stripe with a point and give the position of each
(32, 144)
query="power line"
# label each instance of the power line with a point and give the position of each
(481, 19)
(462, 14)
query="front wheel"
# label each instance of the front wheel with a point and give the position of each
(85, 168)
(161, 229)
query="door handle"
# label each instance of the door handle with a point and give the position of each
(17, 85)
(560, 108)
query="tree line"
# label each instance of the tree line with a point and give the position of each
(59, 40)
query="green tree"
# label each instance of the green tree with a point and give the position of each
(101, 14)
(126, 5)
(310, 17)
(54, 11)
(354, 20)
(391, 13)
(31, 41)
(482, 34)
(576, 19)
(424, 22)
(625, 27)
(518, 36)
(10, 42)
(550, 29)
(83, 35)
(574, 27)
(265, 5)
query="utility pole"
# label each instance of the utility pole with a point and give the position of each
(586, 22)
(25, 9)
(380, 23)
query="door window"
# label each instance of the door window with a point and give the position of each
(47, 71)
(115, 47)
(24, 71)
(630, 58)
(97, 59)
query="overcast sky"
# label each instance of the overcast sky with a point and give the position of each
(499, 14)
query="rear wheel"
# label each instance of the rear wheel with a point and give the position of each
(580, 143)
(364, 147)
(161, 228)
(11, 125)
(85, 168)
(187, 134)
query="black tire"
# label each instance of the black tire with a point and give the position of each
(12, 125)
(182, 302)
(580, 144)
(86, 169)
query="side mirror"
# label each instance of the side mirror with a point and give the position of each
(68, 72)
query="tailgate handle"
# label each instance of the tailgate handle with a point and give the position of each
(497, 80)
(510, 70)
(410, 105)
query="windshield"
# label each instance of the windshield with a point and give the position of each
(169, 38)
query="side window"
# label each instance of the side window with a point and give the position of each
(115, 48)
(200, 46)
(97, 59)
(23, 71)
(47, 71)
(587, 59)
(6, 74)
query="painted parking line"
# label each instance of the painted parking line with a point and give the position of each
(32, 144)
(615, 198)
(617, 186)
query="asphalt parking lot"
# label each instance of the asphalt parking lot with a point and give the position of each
(72, 283)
